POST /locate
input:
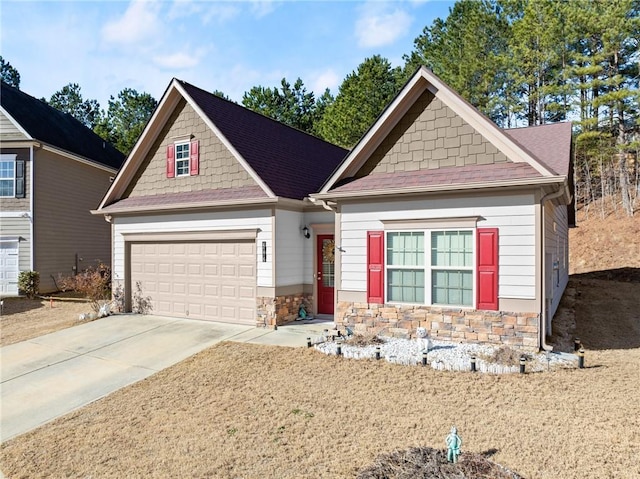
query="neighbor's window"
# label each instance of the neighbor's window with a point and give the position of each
(7, 178)
(182, 159)
(444, 277)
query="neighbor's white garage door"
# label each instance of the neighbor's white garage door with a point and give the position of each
(9, 267)
(215, 281)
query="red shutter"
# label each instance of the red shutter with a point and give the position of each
(487, 253)
(171, 161)
(194, 160)
(375, 266)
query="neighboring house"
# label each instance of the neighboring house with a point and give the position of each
(53, 171)
(437, 218)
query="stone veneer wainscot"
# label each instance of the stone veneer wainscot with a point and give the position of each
(517, 330)
(281, 309)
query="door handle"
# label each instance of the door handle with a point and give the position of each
(319, 276)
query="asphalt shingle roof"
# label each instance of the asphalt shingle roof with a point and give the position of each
(187, 197)
(455, 175)
(292, 163)
(49, 125)
(550, 144)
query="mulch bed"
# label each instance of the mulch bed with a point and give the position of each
(426, 462)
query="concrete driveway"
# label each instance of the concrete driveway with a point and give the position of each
(52, 375)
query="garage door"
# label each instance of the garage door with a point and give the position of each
(9, 267)
(214, 281)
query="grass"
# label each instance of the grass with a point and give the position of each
(240, 410)
(245, 411)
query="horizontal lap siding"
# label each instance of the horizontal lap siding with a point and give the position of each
(513, 215)
(289, 248)
(65, 192)
(556, 245)
(260, 219)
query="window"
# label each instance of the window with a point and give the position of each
(7, 177)
(444, 277)
(182, 159)
(452, 267)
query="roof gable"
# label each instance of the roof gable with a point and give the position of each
(56, 128)
(424, 83)
(292, 163)
(283, 161)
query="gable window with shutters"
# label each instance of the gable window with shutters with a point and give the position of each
(183, 159)
(438, 267)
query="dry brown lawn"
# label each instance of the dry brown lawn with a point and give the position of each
(24, 318)
(248, 411)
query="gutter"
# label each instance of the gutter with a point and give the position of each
(543, 299)
(327, 205)
(525, 182)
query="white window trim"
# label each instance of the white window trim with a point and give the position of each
(428, 268)
(10, 158)
(187, 159)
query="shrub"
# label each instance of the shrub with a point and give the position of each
(29, 283)
(94, 283)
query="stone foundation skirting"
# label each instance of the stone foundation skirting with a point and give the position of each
(280, 310)
(517, 330)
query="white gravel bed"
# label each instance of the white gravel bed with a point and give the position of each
(447, 356)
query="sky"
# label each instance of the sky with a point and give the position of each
(106, 46)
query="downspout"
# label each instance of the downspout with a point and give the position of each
(31, 212)
(543, 299)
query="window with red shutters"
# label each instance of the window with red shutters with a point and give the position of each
(375, 266)
(487, 268)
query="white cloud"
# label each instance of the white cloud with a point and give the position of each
(220, 12)
(378, 26)
(323, 80)
(178, 60)
(260, 8)
(139, 23)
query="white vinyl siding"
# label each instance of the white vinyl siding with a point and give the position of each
(290, 247)
(557, 250)
(514, 216)
(203, 222)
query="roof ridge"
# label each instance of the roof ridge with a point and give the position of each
(262, 115)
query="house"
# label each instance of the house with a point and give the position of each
(446, 221)
(436, 218)
(53, 171)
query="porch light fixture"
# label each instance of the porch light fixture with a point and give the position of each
(305, 232)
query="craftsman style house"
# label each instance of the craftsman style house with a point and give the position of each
(436, 218)
(53, 171)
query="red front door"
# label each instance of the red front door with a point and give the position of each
(325, 274)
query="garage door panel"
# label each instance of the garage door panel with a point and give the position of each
(246, 271)
(246, 292)
(209, 280)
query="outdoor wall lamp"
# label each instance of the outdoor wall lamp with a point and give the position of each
(305, 232)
